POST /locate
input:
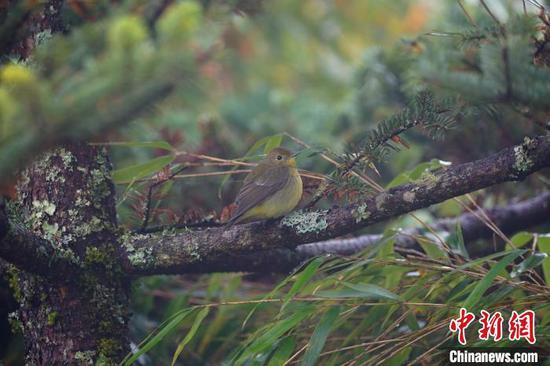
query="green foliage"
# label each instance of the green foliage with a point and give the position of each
(423, 112)
(90, 81)
(348, 307)
(207, 79)
(319, 336)
(198, 320)
(132, 173)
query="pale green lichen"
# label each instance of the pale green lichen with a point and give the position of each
(306, 222)
(66, 156)
(87, 357)
(44, 206)
(41, 211)
(15, 322)
(523, 162)
(86, 228)
(54, 174)
(360, 213)
(50, 230)
(137, 256)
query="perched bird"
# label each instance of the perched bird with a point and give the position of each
(272, 189)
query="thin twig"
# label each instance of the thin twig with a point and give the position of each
(147, 213)
(488, 10)
(213, 158)
(468, 16)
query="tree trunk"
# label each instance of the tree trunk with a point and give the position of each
(77, 314)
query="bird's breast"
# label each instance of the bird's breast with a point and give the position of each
(282, 201)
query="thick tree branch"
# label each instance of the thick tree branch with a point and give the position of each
(26, 250)
(510, 219)
(202, 250)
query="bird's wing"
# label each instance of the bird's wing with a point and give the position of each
(257, 187)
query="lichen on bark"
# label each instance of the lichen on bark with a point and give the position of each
(80, 315)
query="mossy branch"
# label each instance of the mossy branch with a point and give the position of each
(510, 219)
(28, 251)
(205, 250)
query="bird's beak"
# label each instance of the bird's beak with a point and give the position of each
(292, 162)
(295, 154)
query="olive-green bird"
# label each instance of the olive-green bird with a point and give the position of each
(272, 189)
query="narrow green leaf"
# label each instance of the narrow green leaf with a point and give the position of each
(366, 291)
(486, 281)
(283, 352)
(148, 144)
(142, 170)
(416, 172)
(456, 241)
(519, 240)
(373, 291)
(151, 341)
(264, 141)
(319, 336)
(543, 244)
(274, 291)
(196, 324)
(433, 250)
(531, 261)
(398, 359)
(301, 279)
(269, 335)
(273, 142)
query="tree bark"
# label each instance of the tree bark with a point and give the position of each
(75, 313)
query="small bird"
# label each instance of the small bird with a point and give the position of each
(272, 189)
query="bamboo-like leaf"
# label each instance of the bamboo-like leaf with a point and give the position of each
(166, 328)
(373, 291)
(142, 170)
(319, 336)
(283, 352)
(543, 244)
(196, 324)
(273, 142)
(433, 250)
(532, 261)
(366, 291)
(274, 291)
(456, 241)
(268, 336)
(486, 281)
(519, 240)
(148, 144)
(301, 279)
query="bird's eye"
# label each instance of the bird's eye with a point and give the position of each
(279, 157)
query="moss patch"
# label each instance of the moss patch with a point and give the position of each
(52, 318)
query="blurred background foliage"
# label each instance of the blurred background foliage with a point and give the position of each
(165, 83)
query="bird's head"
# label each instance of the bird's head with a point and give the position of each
(281, 157)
